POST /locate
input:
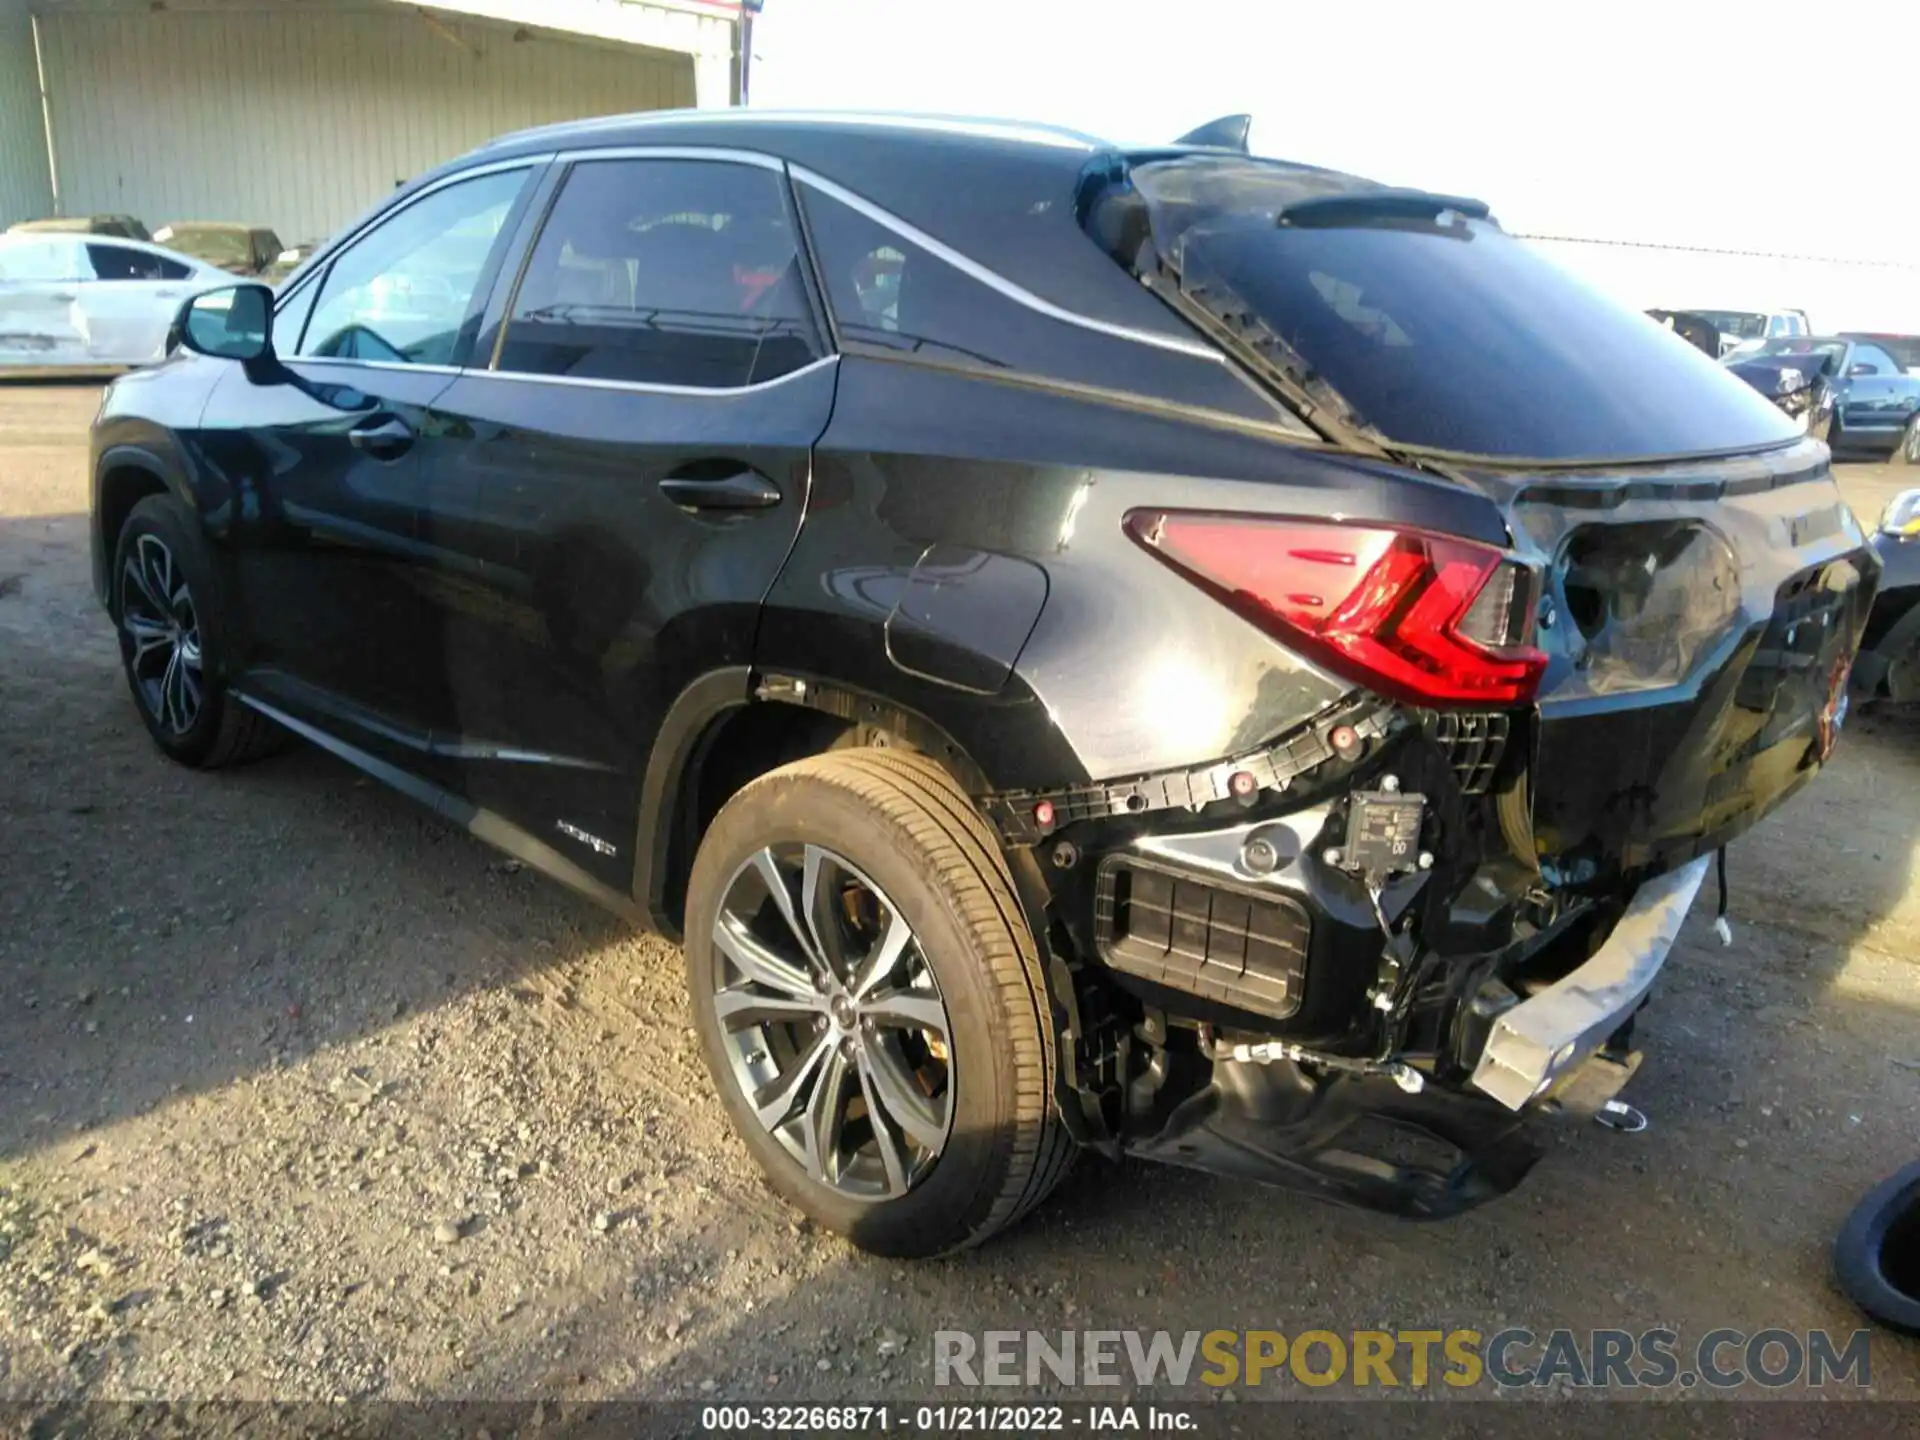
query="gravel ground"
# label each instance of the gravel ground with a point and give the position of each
(305, 1095)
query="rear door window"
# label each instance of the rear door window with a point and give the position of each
(664, 272)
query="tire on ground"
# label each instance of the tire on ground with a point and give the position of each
(225, 732)
(1876, 1257)
(1907, 452)
(904, 822)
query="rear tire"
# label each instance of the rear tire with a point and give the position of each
(887, 836)
(177, 631)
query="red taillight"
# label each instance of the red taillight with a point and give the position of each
(1428, 619)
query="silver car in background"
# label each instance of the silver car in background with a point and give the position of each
(89, 303)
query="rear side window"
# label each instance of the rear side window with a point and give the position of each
(122, 262)
(891, 294)
(664, 272)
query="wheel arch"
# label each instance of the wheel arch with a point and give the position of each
(123, 476)
(732, 725)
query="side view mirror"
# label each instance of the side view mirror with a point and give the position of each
(1863, 368)
(234, 322)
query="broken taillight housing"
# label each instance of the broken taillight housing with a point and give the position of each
(1427, 619)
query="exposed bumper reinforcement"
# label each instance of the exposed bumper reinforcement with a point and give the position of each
(1537, 1042)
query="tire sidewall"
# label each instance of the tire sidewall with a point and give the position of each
(167, 520)
(1857, 1252)
(959, 1190)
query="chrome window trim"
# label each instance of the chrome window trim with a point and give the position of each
(332, 251)
(644, 387)
(715, 153)
(801, 175)
(992, 278)
(979, 127)
(373, 364)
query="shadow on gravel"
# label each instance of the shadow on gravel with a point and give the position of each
(165, 933)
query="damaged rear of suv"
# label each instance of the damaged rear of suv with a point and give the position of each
(1452, 888)
(1156, 651)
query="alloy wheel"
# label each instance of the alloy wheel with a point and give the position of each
(1910, 443)
(163, 634)
(832, 1023)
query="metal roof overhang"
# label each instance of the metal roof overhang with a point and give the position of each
(689, 27)
(702, 29)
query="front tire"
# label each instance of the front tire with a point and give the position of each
(870, 1004)
(175, 629)
(1908, 450)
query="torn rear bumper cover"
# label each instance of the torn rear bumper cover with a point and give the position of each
(1540, 1041)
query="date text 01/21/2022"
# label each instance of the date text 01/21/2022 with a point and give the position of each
(944, 1419)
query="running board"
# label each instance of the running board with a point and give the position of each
(481, 823)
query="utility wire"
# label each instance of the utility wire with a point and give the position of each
(1716, 250)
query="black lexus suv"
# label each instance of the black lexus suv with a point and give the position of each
(1153, 650)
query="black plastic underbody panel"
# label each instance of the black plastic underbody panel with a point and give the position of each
(1351, 1139)
(1236, 944)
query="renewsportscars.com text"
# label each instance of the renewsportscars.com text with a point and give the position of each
(1415, 1359)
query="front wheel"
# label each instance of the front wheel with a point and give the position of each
(870, 1004)
(175, 629)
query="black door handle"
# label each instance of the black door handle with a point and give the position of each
(386, 439)
(696, 487)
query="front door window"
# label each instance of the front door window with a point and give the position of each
(401, 293)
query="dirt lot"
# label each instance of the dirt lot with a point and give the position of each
(269, 1039)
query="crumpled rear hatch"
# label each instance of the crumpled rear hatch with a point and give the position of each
(1704, 585)
(1700, 621)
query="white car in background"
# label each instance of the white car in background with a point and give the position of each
(90, 303)
(1745, 330)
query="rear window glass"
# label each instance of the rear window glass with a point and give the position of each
(1446, 334)
(889, 293)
